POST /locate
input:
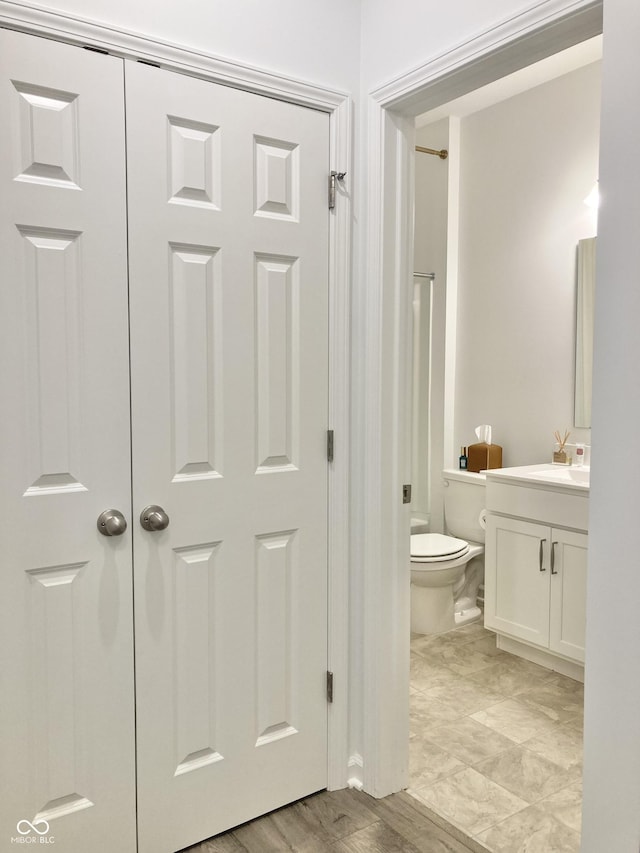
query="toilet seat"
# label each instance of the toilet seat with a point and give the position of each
(436, 547)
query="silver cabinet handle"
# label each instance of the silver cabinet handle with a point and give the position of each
(153, 518)
(541, 555)
(112, 522)
(553, 558)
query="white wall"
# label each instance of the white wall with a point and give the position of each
(314, 42)
(527, 164)
(402, 35)
(611, 814)
(430, 255)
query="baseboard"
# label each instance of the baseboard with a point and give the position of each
(355, 772)
(542, 658)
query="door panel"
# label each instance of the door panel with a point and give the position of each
(228, 269)
(66, 613)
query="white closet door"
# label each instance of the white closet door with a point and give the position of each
(228, 274)
(67, 713)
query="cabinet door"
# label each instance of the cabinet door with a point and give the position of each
(568, 570)
(517, 579)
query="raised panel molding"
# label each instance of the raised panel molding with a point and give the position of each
(194, 163)
(277, 178)
(63, 806)
(53, 359)
(56, 731)
(194, 581)
(276, 555)
(196, 367)
(47, 145)
(277, 363)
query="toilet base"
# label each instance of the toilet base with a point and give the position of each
(466, 614)
(432, 609)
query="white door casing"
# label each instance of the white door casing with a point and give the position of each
(67, 712)
(228, 277)
(525, 37)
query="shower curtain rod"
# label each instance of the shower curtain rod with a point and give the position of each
(442, 154)
(430, 275)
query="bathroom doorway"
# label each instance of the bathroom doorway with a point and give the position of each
(495, 740)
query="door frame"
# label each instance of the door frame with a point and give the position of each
(546, 28)
(82, 32)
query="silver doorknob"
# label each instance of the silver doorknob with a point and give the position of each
(112, 522)
(153, 518)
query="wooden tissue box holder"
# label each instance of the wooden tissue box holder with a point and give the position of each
(481, 457)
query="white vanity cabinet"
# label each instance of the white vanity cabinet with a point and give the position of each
(536, 567)
(535, 584)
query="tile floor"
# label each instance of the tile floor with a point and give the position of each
(495, 743)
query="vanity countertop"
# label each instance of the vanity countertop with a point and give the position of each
(547, 475)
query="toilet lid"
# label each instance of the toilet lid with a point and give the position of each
(437, 546)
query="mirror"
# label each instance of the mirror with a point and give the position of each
(584, 330)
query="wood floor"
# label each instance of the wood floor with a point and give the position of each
(345, 821)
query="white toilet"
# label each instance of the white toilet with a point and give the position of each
(447, 570)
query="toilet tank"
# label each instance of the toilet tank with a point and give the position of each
(464, 503)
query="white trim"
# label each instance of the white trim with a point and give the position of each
(372, 559)
(387, 360)
(355, 772)
(30, 18)
(339, 469)
(544, 29)
(493, 54)
(550, 661)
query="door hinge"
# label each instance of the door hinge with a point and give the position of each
(329, 687)
(333, 177)
(330, 445)
(406, 493)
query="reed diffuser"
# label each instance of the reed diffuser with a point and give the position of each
(560, 455)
